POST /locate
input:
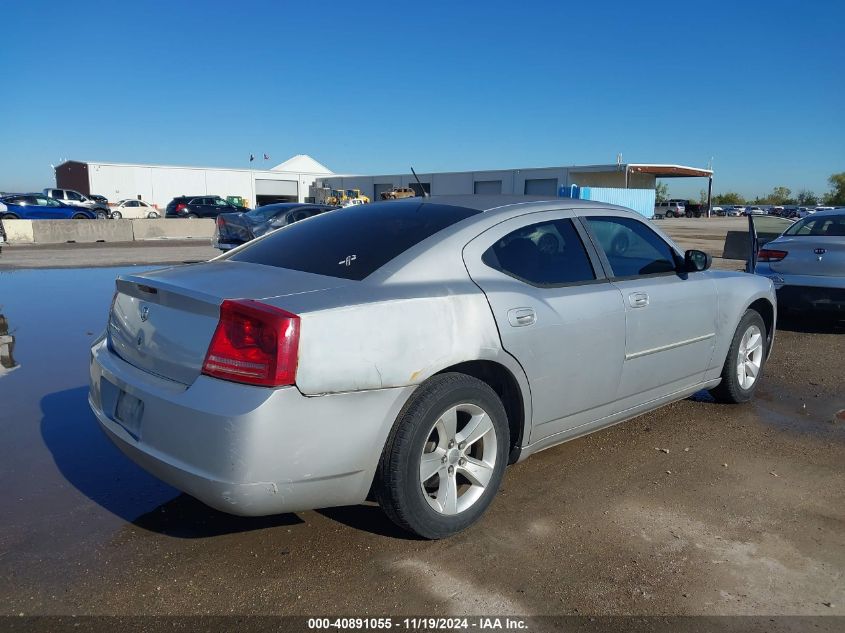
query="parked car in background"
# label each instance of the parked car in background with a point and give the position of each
(133, 208)
(200, 207)
(36, 206)
(669, 210)
(2, 229)
(234, 229)
(807, 263)
(413, 349)
(720, 211)
(398, 193)
(754, 211)
(73, 198)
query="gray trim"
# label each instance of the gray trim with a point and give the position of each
(664, 348)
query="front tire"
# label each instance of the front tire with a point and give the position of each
(116, 215)
(744, 363)
(670, 214)
(445, 456)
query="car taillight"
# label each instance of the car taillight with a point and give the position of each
(254, 344)
(220, 221)
(770, 255)
(181, 206)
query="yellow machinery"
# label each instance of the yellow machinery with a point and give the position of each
(339, 196)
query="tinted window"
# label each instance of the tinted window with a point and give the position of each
(631, 247)
(72, 195)
(544, 254)
(826, 225)
(353, 242)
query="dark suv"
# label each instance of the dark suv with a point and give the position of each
(200, 207)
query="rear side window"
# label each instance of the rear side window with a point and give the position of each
(632, 249)
(547, 254)
(829, 225)
(353, 242)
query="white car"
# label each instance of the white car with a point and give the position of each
(353, 202)
(132, 208)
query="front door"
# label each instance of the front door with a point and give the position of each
(557, 314)
(670, 316)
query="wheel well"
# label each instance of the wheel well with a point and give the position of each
(503, 382)
(766, 310)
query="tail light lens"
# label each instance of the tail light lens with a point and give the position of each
(254, 344)
(770, 255)
(181, 206)
(220, 221)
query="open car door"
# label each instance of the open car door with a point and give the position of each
(762, 229)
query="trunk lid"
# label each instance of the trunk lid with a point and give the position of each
(234, 227)
(810, 255)
(162, 321)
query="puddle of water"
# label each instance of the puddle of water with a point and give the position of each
(53, 456)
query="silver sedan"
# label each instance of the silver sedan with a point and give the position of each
(414, 348)
(807, 263)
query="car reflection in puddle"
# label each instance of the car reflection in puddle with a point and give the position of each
(7, 348)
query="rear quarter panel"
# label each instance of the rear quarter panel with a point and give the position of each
(393, 342)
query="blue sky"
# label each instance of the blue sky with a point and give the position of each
(375, 87)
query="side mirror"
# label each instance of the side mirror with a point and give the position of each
(696, 261)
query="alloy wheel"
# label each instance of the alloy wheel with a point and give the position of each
(458, 459)
(749, 357)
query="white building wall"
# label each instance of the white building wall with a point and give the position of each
(158, 185)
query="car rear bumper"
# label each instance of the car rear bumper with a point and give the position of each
(246, 450)
(822, 298)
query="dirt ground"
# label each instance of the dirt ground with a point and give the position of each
(743, 512)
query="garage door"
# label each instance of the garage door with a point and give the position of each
(488, 186)
(276, 188)
(378, 188)
(541, 187)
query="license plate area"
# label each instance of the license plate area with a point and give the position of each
(128, 413)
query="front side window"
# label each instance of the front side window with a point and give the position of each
(546, 254)
(72, 195)
(632, 249)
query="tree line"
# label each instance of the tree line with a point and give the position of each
(780, 196)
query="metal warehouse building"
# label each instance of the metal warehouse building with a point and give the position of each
(159, 184)
(629, 184)
(542, 181)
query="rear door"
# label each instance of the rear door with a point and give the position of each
(670, 318)
(557, 314)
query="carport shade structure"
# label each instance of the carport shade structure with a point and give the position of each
(674, 171)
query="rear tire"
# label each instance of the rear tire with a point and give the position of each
(191, 216)
(745, 361)
(10, 216)
(445, 456)
(152, 215)
(80, 216)
(669, 214)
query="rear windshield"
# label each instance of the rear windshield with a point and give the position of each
(352, 242)
(823, 226)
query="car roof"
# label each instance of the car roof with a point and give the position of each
(485, 203)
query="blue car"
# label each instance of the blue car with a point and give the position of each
(36, 206)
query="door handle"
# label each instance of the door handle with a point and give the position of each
(519, 317)
(638, 299)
